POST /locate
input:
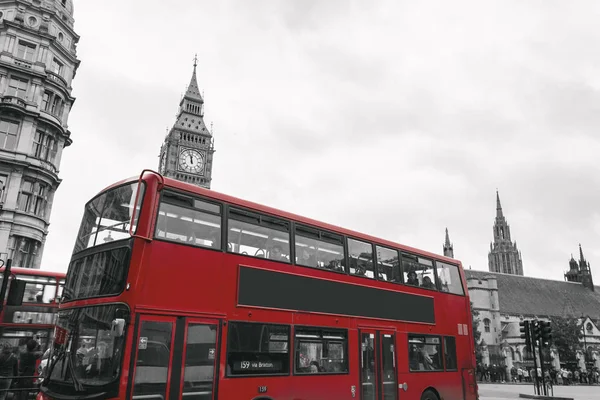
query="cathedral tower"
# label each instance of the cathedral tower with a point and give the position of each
(187, 152)
(504, 256)
(448, 247)
(38, 61)
(580, 272)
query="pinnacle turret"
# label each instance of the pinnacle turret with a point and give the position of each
(193, 91)
(499, 213)
(580, 271)
(448, 247)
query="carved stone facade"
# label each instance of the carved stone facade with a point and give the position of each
(504, 300)
(38, 61)
(187, 152)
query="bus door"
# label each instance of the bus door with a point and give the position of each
(378, 368)
(176, 358)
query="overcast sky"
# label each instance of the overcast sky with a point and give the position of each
(392, 118)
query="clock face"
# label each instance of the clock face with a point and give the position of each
(191, 161)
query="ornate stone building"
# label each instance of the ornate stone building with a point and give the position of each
(187, 152)
(503, 300)
(38, 61)
(504, 256)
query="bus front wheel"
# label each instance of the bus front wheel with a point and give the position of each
(429, 395)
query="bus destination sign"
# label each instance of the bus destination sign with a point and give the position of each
(256, 366)
(35, 315)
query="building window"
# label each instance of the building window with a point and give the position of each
(45, 146)
(57, 106)
(8, 134)
(486, 324)
(33, 198)
(26, 51)
(17, 87)
(3, 184)
(41, 198)
(24, 252)
(57, 67)
(26, 195)
(46, 101)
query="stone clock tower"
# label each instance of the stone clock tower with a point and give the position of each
(187, 153)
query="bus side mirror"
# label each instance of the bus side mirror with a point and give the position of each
(16, 292)
(118, 326)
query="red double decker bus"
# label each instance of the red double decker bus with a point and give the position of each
(177, 292)
(30, 306)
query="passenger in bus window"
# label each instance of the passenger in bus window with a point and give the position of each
(306, 258)
(426, 360)
(314, 367)
(413, 358)
(412, 279)
(275, 254)
(427, 283)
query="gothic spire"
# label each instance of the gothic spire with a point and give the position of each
(448, 248)
(581, 258)
(498, 206)
(504, 256)
(193, 92)
(585, 271)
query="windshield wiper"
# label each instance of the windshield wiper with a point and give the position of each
(70, 368)
(68, 343)
(53, 364)
(76, 383)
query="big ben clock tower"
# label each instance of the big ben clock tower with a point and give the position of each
(187, 152)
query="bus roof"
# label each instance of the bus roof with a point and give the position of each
(209, 193)
(38, 272)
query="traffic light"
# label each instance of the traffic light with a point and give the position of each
(546, 332)
(536, 330)
(525, 333)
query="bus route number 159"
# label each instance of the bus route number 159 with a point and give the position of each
(262, 389)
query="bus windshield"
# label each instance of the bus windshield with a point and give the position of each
(87, 351)
(107, 217)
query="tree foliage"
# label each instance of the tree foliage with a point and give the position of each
(566, 336)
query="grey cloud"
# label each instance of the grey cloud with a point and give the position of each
(397, 119)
